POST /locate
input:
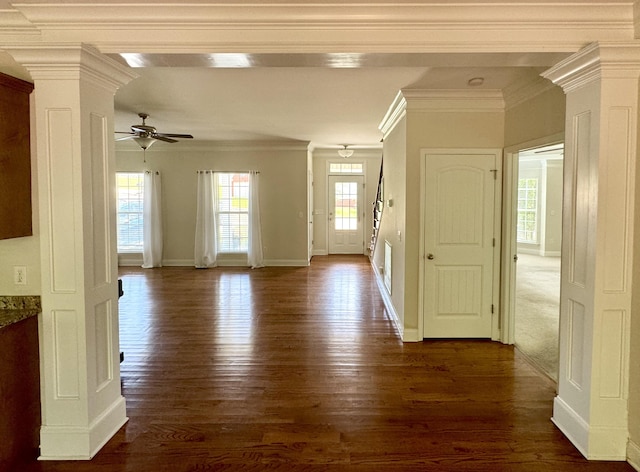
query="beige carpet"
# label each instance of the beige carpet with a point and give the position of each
(537, 310)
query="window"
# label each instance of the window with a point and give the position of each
(233, 212)
(130, 187)
(527, 211)
(346, 168)
(346, 210)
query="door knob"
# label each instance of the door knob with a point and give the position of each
(430, 256)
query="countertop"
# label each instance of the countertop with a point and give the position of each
(17, 308)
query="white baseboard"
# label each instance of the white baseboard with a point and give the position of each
(633, 455)
(571, 425)
(600, 443)
(286, 263)
(386, 298)
(320, 252)
(178, 263)
(137, 262)
(82, 442)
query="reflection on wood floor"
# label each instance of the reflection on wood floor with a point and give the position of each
(300, 369)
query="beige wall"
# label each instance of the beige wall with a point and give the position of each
(418, 130)
(538, 117)
(321, 158)
(634, 354)
(393, 217)
(283, 193)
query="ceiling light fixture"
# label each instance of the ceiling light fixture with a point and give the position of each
(345, 152)
(145, 142)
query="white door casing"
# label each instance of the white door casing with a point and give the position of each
(459, 238)
(346, 216)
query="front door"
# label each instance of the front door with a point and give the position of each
(346, 214)
(459, 252)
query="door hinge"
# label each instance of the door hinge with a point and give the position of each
(494, 242)
(495, 173)
(492, 309)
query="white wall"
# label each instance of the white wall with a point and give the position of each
(283, 193)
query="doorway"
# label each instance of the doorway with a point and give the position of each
(346, 215)
(538, 254)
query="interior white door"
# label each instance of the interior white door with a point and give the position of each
(346, 235)
(459, 252)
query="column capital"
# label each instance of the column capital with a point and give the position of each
(71, 62)
(597, 60)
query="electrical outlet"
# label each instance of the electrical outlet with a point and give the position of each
(20, 275)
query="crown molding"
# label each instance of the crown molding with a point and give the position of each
(216, 146)
(595, 61)
(454, 100)
(311, 27)
(447, 101)
(523, 91)
(396, 112)
(70, 61)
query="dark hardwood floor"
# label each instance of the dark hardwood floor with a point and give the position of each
(300, 369)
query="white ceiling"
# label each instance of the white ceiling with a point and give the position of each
(327, 100)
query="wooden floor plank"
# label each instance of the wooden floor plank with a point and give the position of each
(301, 369)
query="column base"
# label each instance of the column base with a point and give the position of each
(80, 442)
(604, 443)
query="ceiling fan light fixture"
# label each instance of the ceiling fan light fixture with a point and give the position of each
(144, 142)
(345, 152)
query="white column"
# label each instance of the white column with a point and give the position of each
(601, 84)
(82, 404)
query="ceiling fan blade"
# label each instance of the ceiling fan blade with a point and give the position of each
(173, 135)
(161, 137)
(143, 129)
(127, 137)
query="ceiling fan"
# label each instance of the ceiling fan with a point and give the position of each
(146, 135)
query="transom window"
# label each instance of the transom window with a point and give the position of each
(233, 212)
(130, 191)
(527, 229)
(346, 168)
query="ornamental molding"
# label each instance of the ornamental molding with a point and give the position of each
(596, 61)
(70, 62)
(306, 27)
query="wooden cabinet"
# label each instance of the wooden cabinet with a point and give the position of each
(15, 158)
(19, 394)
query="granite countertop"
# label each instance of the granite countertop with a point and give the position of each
(18, 308)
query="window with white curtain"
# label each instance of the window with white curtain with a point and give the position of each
(130, 191)
(233, 212)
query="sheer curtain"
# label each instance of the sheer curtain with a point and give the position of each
(152, 221)
(206, 250)
(255, 257)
